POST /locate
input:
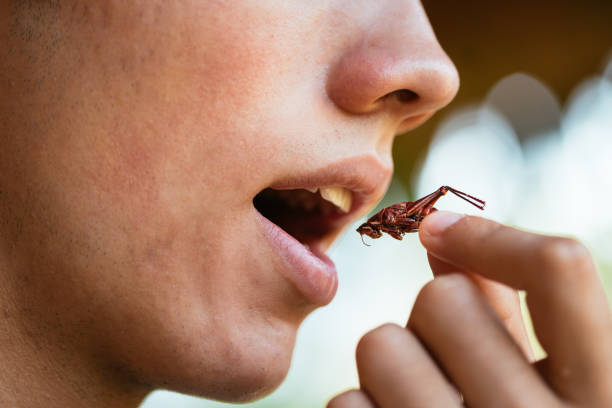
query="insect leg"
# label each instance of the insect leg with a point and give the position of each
(476, 202)
(396, 234)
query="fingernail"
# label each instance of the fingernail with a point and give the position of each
(439, 221)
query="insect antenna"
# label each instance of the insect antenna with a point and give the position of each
(364, 243)
(476, 202)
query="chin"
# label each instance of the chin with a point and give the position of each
(242, 381)
(245, 369)
(253, 385)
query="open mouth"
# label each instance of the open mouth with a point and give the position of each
(301, 215)
(308, 215)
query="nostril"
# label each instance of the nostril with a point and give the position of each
(404, 95)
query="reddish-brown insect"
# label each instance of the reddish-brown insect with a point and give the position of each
(401, 218)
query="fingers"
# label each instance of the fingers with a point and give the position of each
(467, 338)
(567, 302)
(504, 300)
(351, 399)
(397, 371)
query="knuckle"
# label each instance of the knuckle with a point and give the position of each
(372, 342)
(565, 258)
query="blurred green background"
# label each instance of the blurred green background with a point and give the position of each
(530, 132)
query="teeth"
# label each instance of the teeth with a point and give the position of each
(313, 190)
(339, 196)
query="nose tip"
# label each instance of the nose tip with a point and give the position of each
(418, 83)
(402, 70)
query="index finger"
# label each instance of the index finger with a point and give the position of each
(504, 300)
(568, 305)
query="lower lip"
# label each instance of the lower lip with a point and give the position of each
(311, 272)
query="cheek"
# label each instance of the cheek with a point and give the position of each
(137, 279)
(130, 229)
(148, 172)
(184, 108)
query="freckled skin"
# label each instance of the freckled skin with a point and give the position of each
(134, 137)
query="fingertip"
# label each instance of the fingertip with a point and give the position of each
(435, 224)
(351, 399)
(439, 221)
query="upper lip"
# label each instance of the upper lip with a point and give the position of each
(365, 176)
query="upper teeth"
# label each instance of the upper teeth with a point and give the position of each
(339, 196)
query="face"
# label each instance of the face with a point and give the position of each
(146, 140)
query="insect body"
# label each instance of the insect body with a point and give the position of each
(401, 218)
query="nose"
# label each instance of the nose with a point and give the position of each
(394, 64)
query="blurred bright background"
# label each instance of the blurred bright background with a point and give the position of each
(530, 132)
(555, 178)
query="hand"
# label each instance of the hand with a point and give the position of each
(465, 338)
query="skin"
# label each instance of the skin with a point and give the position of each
(134, 137)
(464, 336)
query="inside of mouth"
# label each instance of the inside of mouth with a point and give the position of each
(304, 215)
